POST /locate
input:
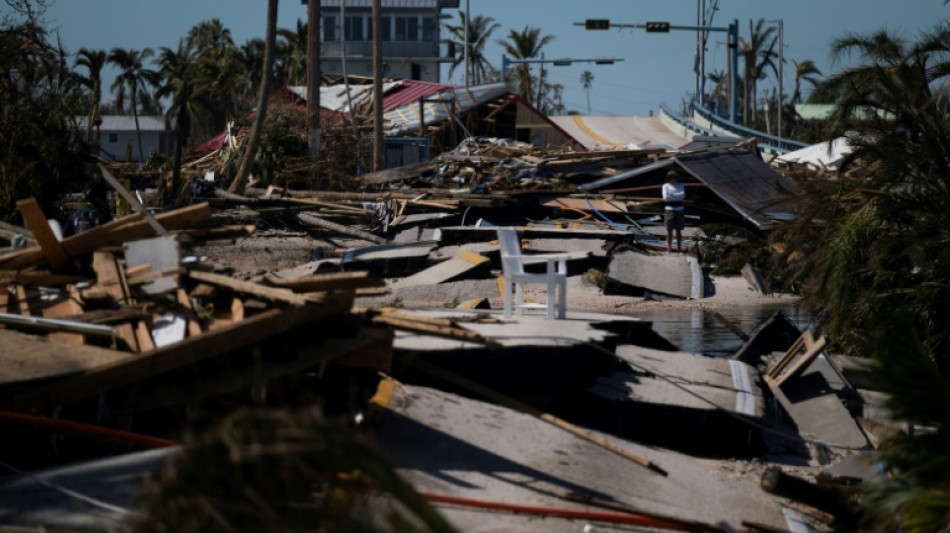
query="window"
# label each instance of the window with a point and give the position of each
(113, 138)
(413, 32)
(428, 30)
(387, 29)
(353, 29)
(329, 29)
(401, 28)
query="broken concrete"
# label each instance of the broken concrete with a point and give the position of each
(672, 274)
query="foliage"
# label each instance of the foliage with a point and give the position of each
(274, 470)
(480, 29)
(915, 495)
(871, 253)
(41, 149)
(526, 44)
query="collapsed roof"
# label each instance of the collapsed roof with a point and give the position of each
(740, 178)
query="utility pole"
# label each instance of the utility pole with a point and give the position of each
(378, 162)
(313, 88)
(781, 64)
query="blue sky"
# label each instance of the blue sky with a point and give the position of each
(656, 68)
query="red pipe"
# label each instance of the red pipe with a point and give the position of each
(86, 429)
(595, 516)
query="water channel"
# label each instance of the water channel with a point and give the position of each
(698, 331)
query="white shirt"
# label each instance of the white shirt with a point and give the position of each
(674, 192)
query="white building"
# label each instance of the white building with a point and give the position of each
(411, 35)
(118, 139)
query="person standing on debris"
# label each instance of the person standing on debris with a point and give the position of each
(96, 211)
(673, 195)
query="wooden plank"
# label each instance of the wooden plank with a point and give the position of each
(313, 220)
(146, 365)
(327, 282)
(109, 277)
(247, 287)
(193, 327)
(38, 277)
(437, 330)
(39, 225)
(800, 363)
(120, 230)
(26, 357)
(66, 307)
(133, 201)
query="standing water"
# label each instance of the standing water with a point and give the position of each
(698, 331)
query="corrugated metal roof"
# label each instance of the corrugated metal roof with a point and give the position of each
(404, 118)
(410, 91)
(740, 178)
(127, 122)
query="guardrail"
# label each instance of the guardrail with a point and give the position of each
(767, 143)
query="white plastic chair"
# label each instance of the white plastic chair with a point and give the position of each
(512, 263)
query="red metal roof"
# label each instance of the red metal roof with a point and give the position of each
(411, 91)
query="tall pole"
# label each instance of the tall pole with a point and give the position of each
(378, 162)
(781, 63)
(734, 68)
(465, 46)
(313, 88)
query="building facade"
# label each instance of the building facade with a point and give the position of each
(119, 141)
(411, 35)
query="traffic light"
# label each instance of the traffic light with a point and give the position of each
(657, 27)
(597, 24)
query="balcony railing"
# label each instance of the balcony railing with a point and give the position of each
(390, 49)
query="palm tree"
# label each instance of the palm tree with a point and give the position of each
(177, 81)
(133, 83)
(587, 78)
(880, 279)
(720, 94)
(526, 44)
(94, 61)
(804, 71)
(293, 53)
(250, 150)
(480, 29)
(757, 54)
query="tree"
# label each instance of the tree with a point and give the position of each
(41, 152)
(526, 44)
(805, 71)
(176, 69)
(292, 51)
(222, 81)
(480, 29)
(587, 78)
(94, 61)
(720, 94)
(757, 54)
(875, 264)
(254, 138)
(133, 84)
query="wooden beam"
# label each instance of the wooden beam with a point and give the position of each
(133, 201)
(109, 281)
(39, 225)
(327, 282)
(147, 365)
(127, 228)
(66, 307)
(247, 287)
